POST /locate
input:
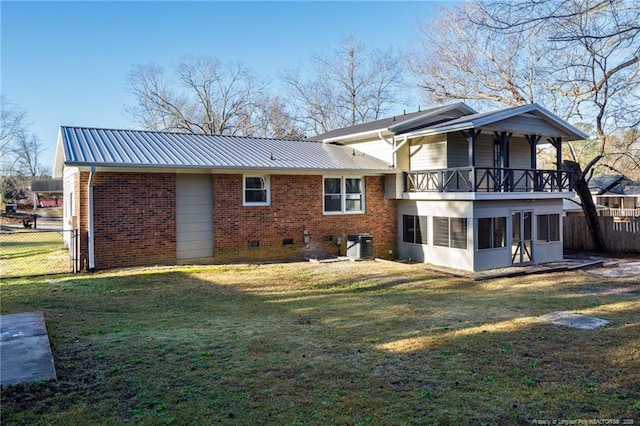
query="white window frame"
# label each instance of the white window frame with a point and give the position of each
(267, 184)
(343, 195)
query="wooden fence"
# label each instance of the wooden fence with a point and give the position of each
(620, 237)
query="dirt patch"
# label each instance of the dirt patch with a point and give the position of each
(568, 319)
(624, 266)
(618, 268)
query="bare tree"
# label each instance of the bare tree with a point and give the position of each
(475, 64)
(273, 121)
(205, 96)
(578, 57)
(353, 85)
(12, 125)
(28, 152)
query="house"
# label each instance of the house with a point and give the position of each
(46, 193)
(448, 186)
(147, 198)
(468, 190)
(616, 195)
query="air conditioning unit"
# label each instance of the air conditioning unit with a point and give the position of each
(360, 246)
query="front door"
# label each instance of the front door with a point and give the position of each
(521, 243)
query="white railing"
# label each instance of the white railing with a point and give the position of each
(619, 212)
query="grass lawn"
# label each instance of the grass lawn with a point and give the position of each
(27, 253)
(355, 343)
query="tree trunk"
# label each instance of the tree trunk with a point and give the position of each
(588, 206)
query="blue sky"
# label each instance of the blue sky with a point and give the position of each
(66, 63)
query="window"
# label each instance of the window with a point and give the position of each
(256, 191)
(450, 232)
(343, 195)
(414, 229)
(548, 228)
(492, 232)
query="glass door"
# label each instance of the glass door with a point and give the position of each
(521, 242)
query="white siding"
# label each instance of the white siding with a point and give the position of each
(68, 183)
(530, 125)
(377, 148)
(457, 151)
(519, 153)
(194, 216)
(428, 153)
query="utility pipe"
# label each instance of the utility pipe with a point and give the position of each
(92, 264)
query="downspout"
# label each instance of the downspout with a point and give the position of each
(390, 142)
(404, 141)
(395, 147)
(92, 265)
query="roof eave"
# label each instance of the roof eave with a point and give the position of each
(460, 106)
(360, 135)
(439, 130)
(273, 170)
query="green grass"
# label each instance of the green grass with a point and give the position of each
(29, 253)
(366, 343)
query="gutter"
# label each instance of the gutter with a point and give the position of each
(92, 265)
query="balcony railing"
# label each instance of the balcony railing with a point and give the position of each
(479, 179)
(619, 212)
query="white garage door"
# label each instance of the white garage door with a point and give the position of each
(194, 216)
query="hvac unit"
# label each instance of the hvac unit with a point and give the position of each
(360, 246)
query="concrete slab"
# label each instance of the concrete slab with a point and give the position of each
(568, 319)
(25, 351)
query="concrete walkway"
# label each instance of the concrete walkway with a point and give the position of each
(25, 352)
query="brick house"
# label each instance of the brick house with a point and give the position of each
(448, 186)
(153, 198)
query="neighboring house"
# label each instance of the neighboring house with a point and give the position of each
(448, 186)
(46, 193)
(616, 195)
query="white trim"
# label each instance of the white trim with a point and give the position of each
(267, 185)
(343, 195)
(359, 135)
(228, 170)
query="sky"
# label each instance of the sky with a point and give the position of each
(66, 63)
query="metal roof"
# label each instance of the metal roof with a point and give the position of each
(134, 148)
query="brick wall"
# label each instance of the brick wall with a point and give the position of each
(134, 220)
(296, 205)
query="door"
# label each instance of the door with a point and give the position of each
(521, 242)
(194, 216)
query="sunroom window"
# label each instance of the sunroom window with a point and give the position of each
(548, 228)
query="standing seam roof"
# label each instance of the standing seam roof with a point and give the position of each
(132, 148)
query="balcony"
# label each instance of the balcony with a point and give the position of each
(627, 213)
(479, 179)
